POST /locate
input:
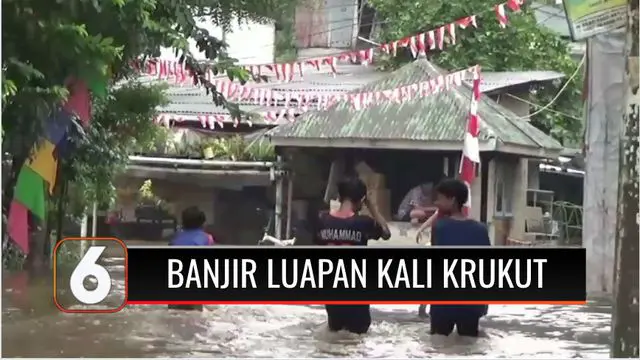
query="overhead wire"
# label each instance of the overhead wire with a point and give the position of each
(540, 106)
(562, 89)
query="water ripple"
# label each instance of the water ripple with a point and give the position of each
(32, 327)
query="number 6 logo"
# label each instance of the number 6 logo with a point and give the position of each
(88, 267)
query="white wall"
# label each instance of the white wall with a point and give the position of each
(252, 43)
(342, 16)
(249, 43)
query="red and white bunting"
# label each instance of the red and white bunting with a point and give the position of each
(469, 20)
(501, 14)
(515, 5)
(411, 91)
(358, 101)
(471, 147)
(213, 121)
(310, 99)
(419, 44)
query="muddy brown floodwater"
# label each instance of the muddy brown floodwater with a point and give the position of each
(33, 327)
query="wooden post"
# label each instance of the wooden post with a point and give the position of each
(335, 172)
(289, 205)
(94, 220)
(84, 222)
(625, 311)
(279, 200)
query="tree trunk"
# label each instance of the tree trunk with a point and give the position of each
(625, 312)
(35, 263)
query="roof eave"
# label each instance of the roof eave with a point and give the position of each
(388, 144)
(526, 85)
(400, 144)
(527, 151)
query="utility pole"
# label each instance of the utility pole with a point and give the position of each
(625, 311)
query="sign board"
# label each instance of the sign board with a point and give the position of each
(592, 17)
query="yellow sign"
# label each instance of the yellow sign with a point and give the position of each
(591, 17)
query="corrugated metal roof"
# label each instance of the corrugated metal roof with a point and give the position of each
(188, 100)
(498, 80)
(552, 17)
(439, 117)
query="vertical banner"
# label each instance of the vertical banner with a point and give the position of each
(471, 147)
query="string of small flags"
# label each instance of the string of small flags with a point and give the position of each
(358, 101)
(320, 100)
(418, 44)
(212, 121)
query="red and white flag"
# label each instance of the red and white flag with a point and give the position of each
(471, 147)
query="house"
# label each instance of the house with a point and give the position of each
(411, 142)
(178, 170)
(565, 178)
(239, 194)
(220, 190)
(241, 198)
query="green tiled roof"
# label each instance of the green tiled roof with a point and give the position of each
(438, 117)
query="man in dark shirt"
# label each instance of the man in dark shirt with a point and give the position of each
(455, 229)
(346, 227)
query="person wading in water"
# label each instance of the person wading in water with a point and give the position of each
(455, 229)
(422, 309)
(191, 234)
(346, 227)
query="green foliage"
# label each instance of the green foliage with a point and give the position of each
(523, 45)
(45, 42)
(234, 148)
(285, 40)
(147, 196)
(121, 123)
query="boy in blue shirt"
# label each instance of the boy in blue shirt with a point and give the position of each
(192, 233)
(455, 229)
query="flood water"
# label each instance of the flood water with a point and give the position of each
(32, 327)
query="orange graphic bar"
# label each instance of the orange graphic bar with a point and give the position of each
(92, 240)
(497, 302)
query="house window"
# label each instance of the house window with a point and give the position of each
(505, 177)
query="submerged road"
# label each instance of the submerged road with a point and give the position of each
(32, 327)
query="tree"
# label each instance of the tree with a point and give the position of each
(121, 125)
(625, 311)
(100, 41)
(523, 45)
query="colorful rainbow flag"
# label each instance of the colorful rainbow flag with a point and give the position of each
(38, 174)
